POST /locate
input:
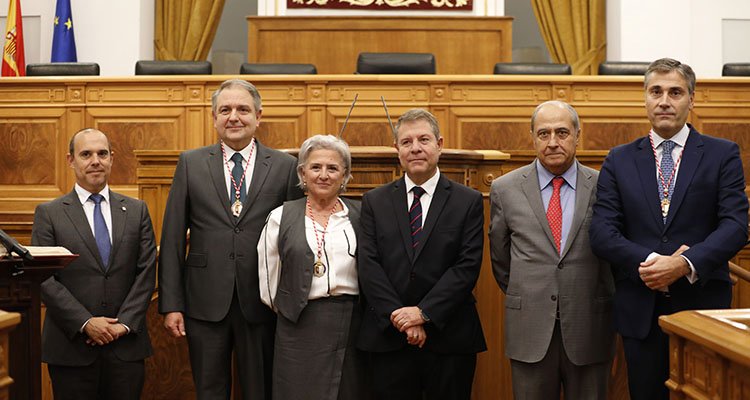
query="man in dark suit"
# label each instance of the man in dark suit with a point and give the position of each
(94, 338)
(419, 258)
(558, 294)
(222, 193)
(670, 212)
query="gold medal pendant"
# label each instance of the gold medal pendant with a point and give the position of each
(319, 269)
(664, 207)
(236, 208)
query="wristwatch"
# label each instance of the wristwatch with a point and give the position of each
(424, 316)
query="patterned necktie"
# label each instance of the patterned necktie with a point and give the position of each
(667, 168)
(237, 173)
(554, 211)
(101, 234)
(415, 216)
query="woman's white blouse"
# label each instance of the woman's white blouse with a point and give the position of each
(339, 258)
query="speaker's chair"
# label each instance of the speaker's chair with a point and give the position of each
(62, 69)
(396, 63)
(150, 67)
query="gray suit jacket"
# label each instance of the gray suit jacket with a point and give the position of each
(536, 279)
(83, 289)
(222, 255)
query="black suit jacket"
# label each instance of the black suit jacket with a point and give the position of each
(83, 289)
(438, 276)
(222, 254)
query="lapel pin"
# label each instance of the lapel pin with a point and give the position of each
(124, 209)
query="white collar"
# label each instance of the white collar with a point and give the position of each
(428, 186)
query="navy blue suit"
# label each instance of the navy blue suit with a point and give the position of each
(708, 212)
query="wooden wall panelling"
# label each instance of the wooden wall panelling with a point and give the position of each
(741, 290)
(130, 129)
(284, 120)
(728, 122)
(33, 167)
(491, 128)
(281, 127)
(316, 108)
(461, 45)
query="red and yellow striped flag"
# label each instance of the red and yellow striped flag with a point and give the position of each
(13, 54)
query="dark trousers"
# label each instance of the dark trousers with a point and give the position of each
(108, 378)
(211, 345)
(413, 373)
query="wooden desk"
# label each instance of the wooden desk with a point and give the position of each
(709, 354)
(461, 45)
(8, 322)
(19, 292)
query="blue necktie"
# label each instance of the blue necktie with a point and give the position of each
(415, 216)
(237, 173)
(667, 167)
(101, 234)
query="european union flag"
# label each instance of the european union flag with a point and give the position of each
(63, 40)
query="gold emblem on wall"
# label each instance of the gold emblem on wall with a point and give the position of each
(383, 4)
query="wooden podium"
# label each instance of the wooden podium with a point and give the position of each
(709, 354)
(19, 293)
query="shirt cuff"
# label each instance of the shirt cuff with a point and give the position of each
(84, 325)
(693, 277)
(126, 327)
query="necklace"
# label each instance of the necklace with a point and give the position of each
(237, 205)
(319, 268)
(665, 185)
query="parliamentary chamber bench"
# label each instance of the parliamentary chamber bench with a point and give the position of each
(484, 120)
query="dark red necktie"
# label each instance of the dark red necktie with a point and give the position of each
(554, 211)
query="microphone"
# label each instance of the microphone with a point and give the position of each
(385, 107)
(13, 246)
(341, 132)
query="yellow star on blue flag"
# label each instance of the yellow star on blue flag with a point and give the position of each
(63, 38)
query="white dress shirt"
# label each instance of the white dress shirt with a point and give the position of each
(88, 208)
(429, 190)
(680, 138)
(229, 165)
(340, 248)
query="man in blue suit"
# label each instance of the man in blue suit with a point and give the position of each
(670, 212)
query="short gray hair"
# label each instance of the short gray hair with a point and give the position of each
(416, 114)
(325, 142)
(573, 114)
(667, 65)
(241, 84)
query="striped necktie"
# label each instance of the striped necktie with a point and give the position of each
(415, 216)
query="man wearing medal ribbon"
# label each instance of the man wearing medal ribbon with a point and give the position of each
(209, 291)
(670, 212)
